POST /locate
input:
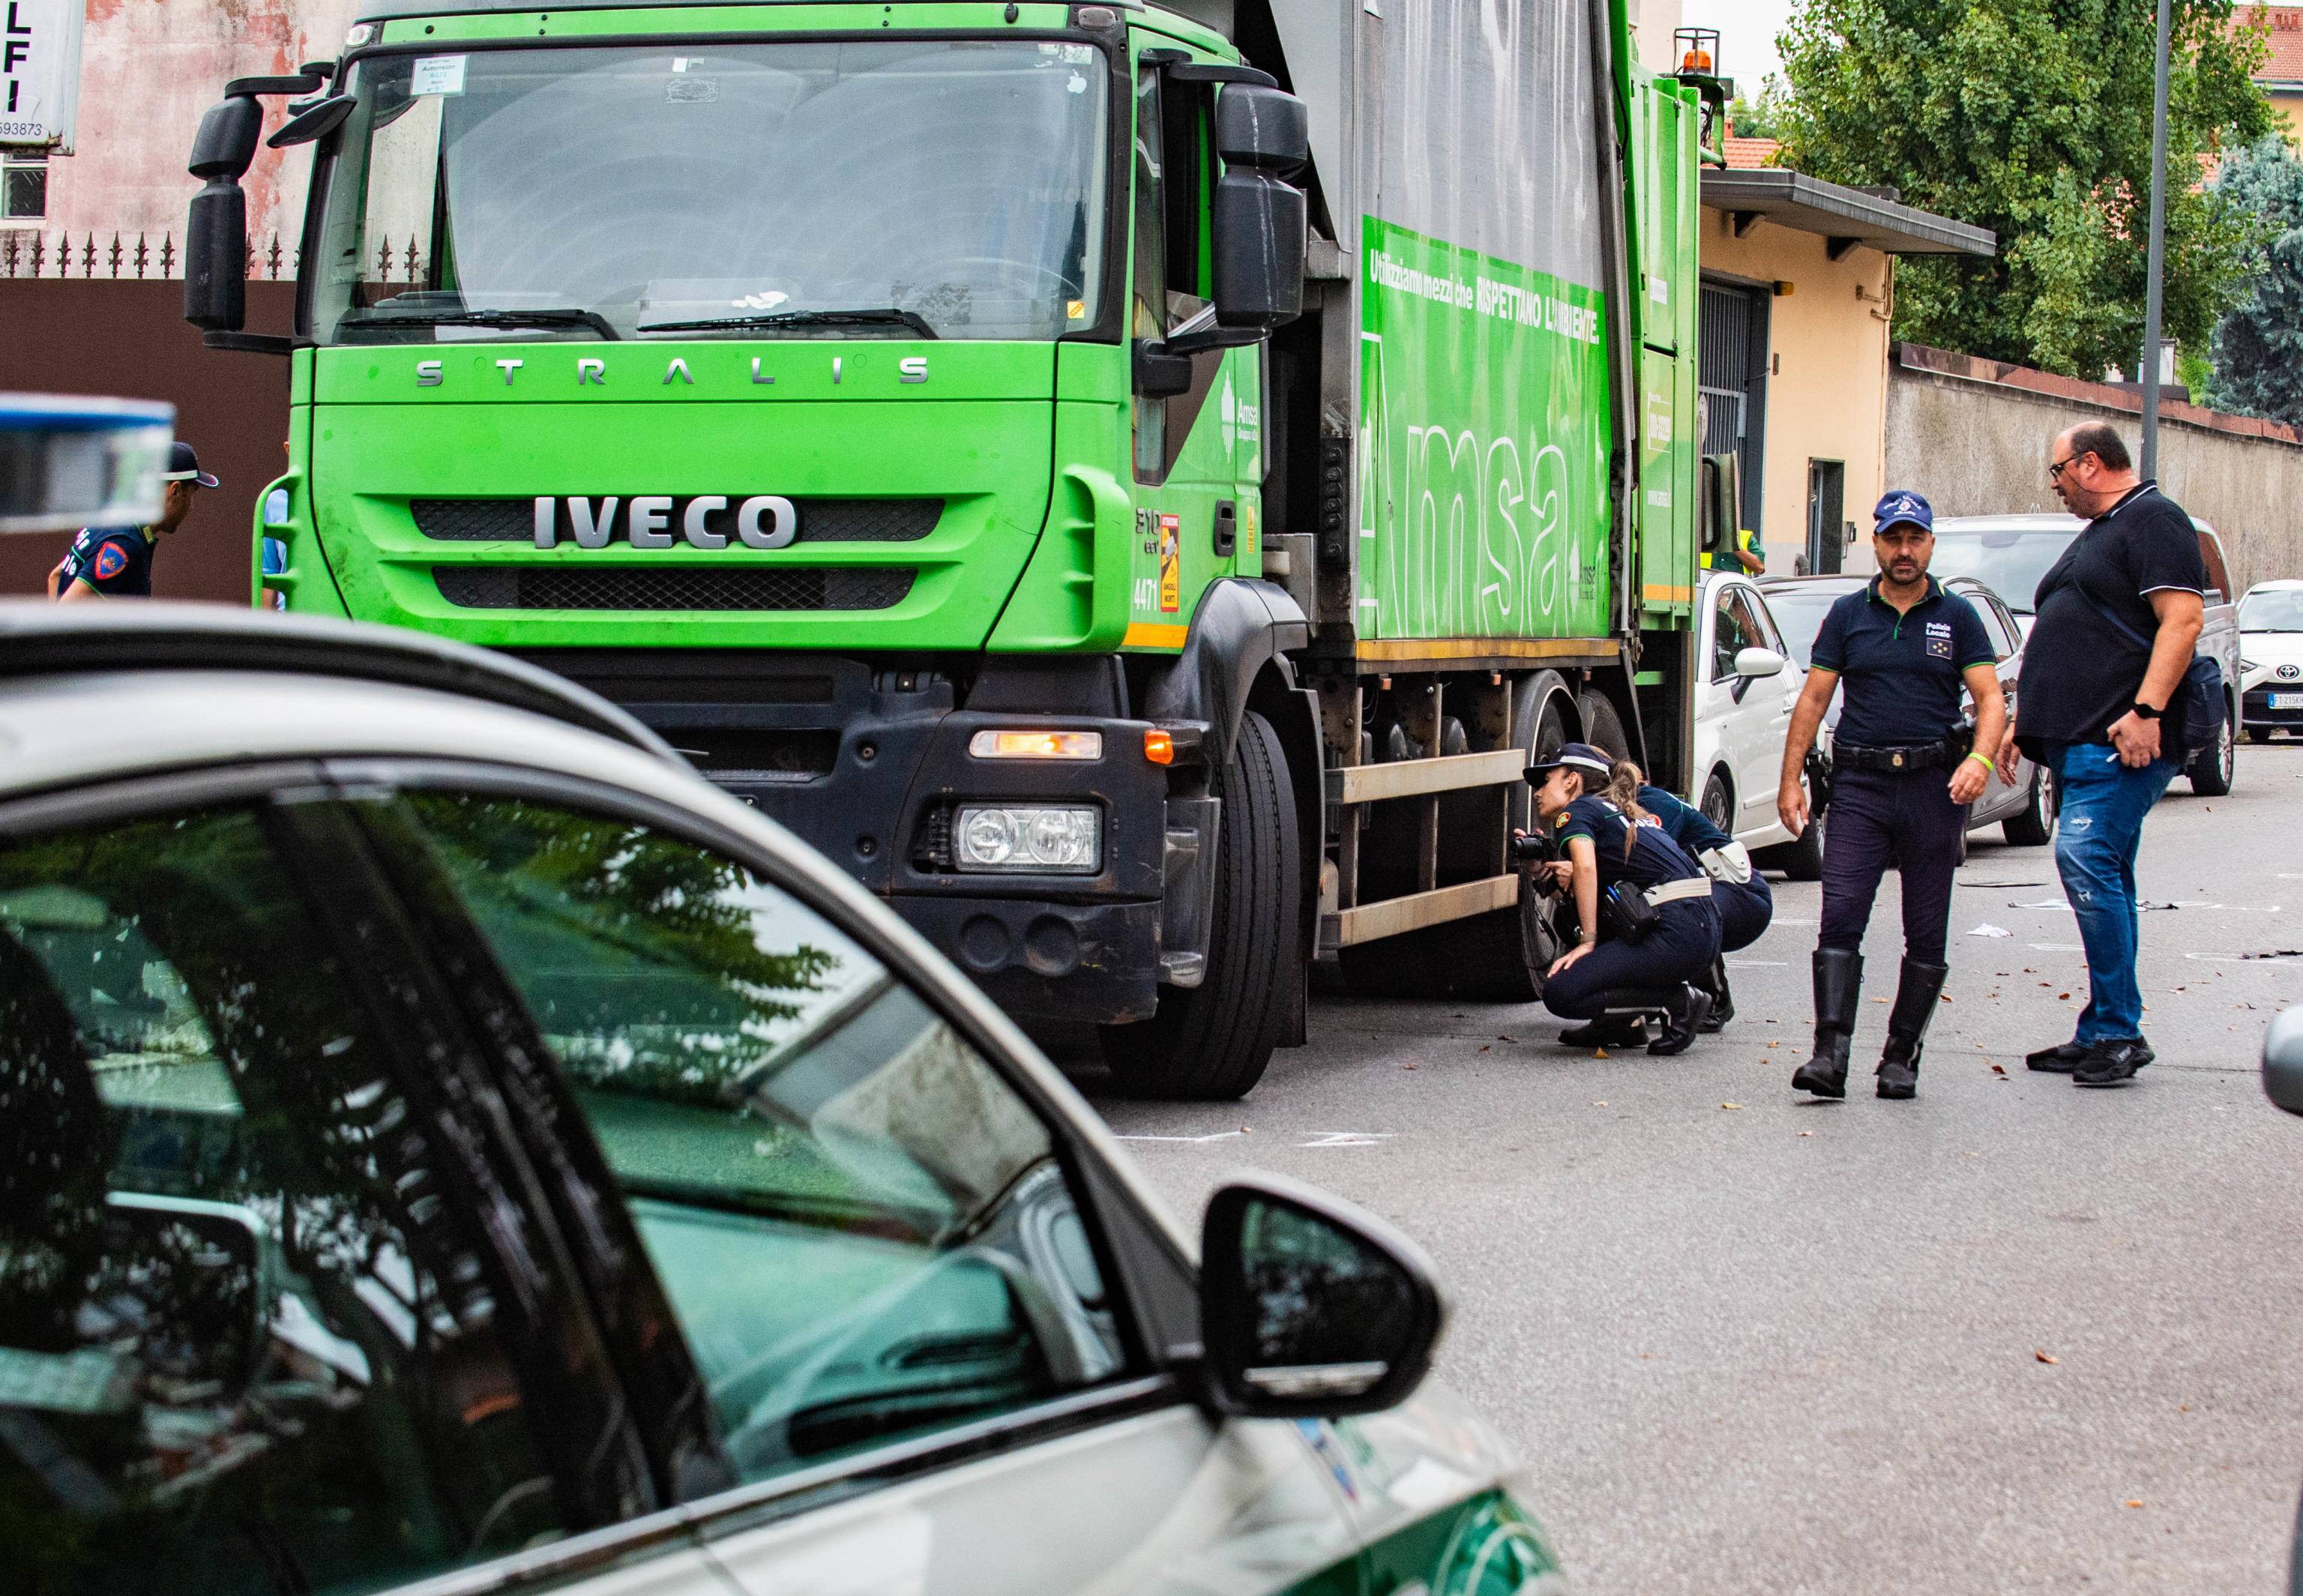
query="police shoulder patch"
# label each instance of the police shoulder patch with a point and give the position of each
(110, 560)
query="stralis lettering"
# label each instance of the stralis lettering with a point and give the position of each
(648, 521)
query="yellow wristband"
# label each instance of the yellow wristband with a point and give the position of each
(1988, 762)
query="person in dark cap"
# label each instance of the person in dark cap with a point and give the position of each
(1905, 767)
(116, 561)
(1621, 870)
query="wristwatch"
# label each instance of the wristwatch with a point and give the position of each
(2143, 711)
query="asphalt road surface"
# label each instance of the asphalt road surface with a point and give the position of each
(2013, 1336)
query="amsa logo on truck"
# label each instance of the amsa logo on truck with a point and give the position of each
(653, 520)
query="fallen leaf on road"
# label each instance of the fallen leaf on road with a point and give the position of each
(1878, 1000)
(1999, 1069)
(1731, 1105)
(1599, 1102)
(2135, 1501)
(1410, 1065)
(1807, 1133)
(1511, 1039)
(1598, 1053)
(1485, 1048)
(2045, 1358)
(2063, 997)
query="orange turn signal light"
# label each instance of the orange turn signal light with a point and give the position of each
(1159, 747)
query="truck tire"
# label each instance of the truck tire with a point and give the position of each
(1212, 1040)
(2216, 768)
(1603, 728)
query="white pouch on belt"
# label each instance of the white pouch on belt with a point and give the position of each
(1732, 862)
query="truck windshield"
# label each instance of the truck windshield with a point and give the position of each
(887, 189)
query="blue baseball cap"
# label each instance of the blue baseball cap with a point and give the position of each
(1903, 505)
(184, 466)
(1575, 757)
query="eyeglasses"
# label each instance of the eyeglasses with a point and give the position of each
(2055, 468)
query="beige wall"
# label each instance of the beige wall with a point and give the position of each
(1975, 448)
(1653, 22)
(2289, 107)
(1828, 373)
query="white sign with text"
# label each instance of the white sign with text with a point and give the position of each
(39, 72)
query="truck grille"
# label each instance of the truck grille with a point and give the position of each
(821, 520)
(672, 587)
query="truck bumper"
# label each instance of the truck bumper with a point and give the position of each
(869, 764)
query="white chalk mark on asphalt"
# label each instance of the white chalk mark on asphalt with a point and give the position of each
(2046, 903)
(1212, 1137)
(1988, 929)
(1348, 1138)
(1759, 964)
(2059, 947)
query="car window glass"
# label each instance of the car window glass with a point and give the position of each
(1732, 634)
(2211, 555)
(862, 1227)
(1996, 626)
(1762, 623)
(248, 1338)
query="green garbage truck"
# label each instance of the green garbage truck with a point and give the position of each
(1131, 483)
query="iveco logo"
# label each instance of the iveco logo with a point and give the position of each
(764, 521)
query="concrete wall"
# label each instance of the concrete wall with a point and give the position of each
(149, 70)
(1827, 371)
(1972, 435)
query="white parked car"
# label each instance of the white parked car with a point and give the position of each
(449, 1147)
(1742, 710)
(2271, 659)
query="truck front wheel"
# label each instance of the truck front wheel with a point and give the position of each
(1213, 1040)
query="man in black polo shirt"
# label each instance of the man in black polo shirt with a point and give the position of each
(2118, 615)
(116, 561)
(1904, 774)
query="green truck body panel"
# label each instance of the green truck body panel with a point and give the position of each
(1483, 445)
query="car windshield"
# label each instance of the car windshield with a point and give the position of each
(2281, 610)
(1799, 611)
(2009, 563)
(948, 188)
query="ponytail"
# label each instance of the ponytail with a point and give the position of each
(1624, 779)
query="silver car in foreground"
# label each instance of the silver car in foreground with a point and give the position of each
(446, 1146)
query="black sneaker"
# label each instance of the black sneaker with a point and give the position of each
(2059, 1059)
(2112, 1063)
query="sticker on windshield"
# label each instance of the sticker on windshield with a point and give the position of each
(1072, 55)
(437, 74)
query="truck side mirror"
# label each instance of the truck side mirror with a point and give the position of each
(1261, 222)
(215, 231)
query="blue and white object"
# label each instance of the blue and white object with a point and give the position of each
(67, 462)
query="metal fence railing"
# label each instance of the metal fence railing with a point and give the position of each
(126, 258)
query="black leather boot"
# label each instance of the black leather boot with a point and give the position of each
(1838, 984)
(1685, 1012)
(1723, 1000)
(1917, 992)
(1609, 1030)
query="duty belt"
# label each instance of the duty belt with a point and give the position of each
(1673, 891)
(1919, 758)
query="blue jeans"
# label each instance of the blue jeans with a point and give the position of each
(2103, 805)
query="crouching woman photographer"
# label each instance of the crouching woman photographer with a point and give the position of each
(1632, 881)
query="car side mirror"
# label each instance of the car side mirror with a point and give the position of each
(2282, 1061)
(1310, 1308)
(1751, 663)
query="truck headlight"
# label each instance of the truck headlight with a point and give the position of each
(1065, 839)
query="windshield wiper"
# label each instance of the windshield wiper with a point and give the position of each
(889, 317)
(377, 318)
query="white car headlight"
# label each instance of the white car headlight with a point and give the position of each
(1059, 839)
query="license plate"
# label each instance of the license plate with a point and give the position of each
(2287, 700)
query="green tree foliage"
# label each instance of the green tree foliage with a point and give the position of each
(1760, 118)
(2258, 345)
(2032, 118)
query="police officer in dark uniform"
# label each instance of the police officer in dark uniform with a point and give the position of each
(1904, 769)
(116, 561)
(1738, 892)
(1667, 931)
